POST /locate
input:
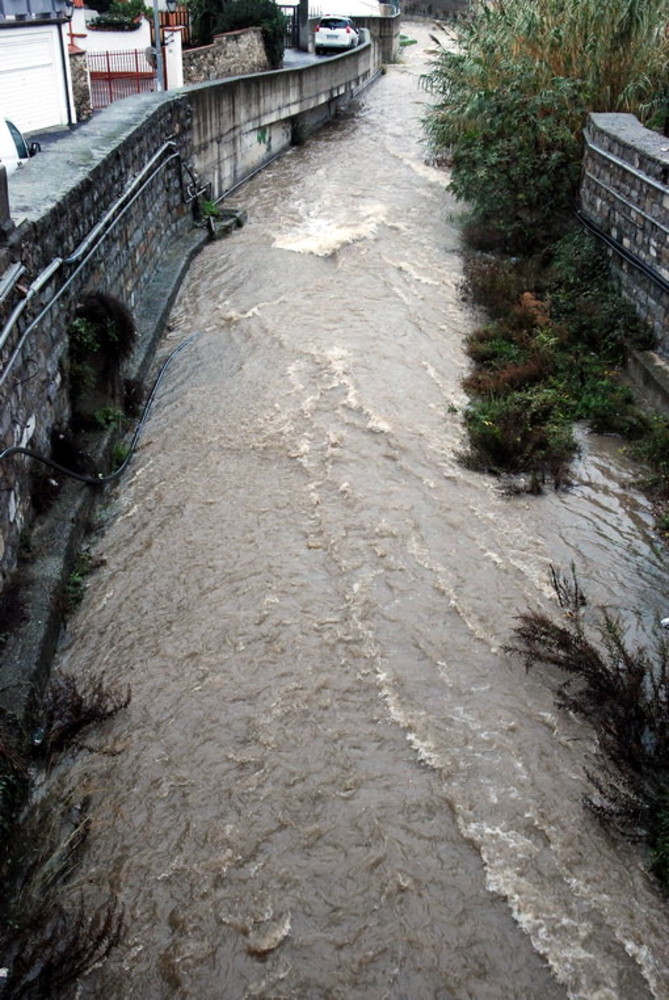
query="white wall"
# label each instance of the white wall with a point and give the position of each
(107, 41)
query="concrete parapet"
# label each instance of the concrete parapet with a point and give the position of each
(242, 122)
(650, 373)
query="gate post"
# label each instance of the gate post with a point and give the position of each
(303, 27)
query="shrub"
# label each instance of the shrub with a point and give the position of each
(652, 448)
(46, 943)
(578, 280)
(119, 15)
(514, 433)
(212, 17)
(69, 706)
(551, 356)
(510, 101)
(623, 692)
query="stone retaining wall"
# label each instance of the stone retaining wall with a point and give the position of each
(240, 124)
(100, 165)
(81, 86)
(624, 193)
(230, 54)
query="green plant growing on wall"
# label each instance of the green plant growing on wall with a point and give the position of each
(119, 455)
(209, 209)
(75, 585)
(109, 416)
(83, 336)
(100, 336)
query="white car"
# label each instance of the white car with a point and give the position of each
(334, 32)
(14, 149)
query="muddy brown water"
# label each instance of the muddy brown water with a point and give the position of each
(331, 783)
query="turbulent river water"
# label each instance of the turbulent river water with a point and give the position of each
(331, 783)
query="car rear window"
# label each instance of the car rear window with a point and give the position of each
(333, 22)
(19, 142)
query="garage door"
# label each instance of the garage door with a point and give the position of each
(31, 77)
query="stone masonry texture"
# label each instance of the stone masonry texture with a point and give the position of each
(624, 193)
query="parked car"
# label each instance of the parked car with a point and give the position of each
(335, 33)
(14, 149)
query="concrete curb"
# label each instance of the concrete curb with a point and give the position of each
(57, 536)
(650, 373)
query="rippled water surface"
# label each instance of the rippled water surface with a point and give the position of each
(331, 782)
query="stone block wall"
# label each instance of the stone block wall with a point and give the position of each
(231, 54)
(81, 86)
(60, 216)
(625, 194)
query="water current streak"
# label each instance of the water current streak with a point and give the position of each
(330, 782)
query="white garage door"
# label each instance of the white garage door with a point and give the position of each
(32, 93)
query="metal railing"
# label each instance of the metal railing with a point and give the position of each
(114, 75)
(167, 153)
(292, 15)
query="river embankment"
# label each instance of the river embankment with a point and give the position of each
(327, 750)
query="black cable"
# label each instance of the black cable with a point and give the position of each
(99, 480)
(623, 252)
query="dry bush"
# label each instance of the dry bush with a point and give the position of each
(46, 946)
(623, 692)
(63, 947)
(504, 380)
(69, 707)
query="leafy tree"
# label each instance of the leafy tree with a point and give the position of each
(513, 91)
(211, 17)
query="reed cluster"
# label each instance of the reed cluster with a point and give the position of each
(512, 91)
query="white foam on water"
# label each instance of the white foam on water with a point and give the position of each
(324, 237)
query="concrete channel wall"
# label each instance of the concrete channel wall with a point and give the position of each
(243, 123)
(625, 195)
(111, 208)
